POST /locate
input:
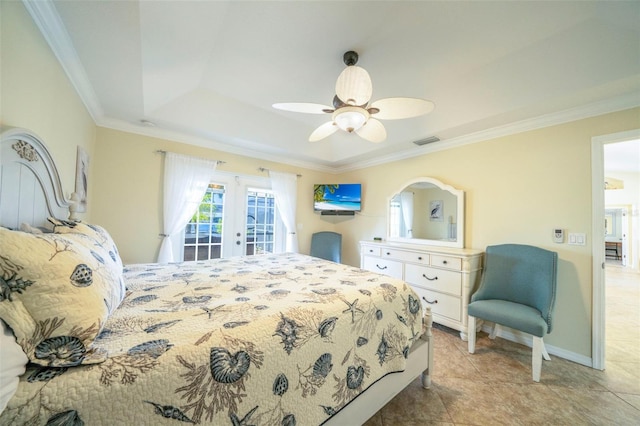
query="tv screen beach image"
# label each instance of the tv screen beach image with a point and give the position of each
(337, 197)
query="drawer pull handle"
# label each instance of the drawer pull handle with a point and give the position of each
(444, 262)
(419, 257)
(388, 254)
(370, 251)
(381, 267)
(430, 279)
(431, 303)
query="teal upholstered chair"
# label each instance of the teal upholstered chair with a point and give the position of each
(327, 245)
(517, 290)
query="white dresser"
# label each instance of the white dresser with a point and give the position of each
(443, 277)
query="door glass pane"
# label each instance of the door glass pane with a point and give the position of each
(203, 234)
(260, 222)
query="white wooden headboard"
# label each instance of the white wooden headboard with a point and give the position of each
(30, 187)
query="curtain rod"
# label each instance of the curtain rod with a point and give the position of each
(263, 169)
(162, 151)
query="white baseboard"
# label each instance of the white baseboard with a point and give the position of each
(524, 339)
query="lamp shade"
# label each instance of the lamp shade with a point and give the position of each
(353, 86)
(350, 119)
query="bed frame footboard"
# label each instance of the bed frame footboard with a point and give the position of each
(419, 364)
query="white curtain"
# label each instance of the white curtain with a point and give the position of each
(285, 189)
(185, 182)
(406, 204)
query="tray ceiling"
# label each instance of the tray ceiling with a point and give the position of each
(207, 72)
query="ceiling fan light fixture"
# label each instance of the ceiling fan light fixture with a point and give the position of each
(351, 111)
(354, 86)
(350, 118)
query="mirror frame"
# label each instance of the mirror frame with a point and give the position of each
(459, 243)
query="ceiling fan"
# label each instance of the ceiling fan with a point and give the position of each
(351, 109)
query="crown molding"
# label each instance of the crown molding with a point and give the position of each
(46, 17)
(619, 103)
(179, 137)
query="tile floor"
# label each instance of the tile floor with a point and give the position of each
(494, 386)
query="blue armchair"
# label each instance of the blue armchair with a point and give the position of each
(517, 290)
(327, 245)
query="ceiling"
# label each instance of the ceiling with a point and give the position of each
(208, 72)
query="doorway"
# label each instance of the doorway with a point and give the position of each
(237, 217)
(599, 247)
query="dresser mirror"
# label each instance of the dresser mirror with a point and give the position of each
(427, 211)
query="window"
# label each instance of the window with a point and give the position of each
(203, 234)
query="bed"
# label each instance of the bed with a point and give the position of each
(274, 339)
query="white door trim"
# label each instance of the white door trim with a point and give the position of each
(598, 254)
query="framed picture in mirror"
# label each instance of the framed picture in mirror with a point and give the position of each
(435, 211)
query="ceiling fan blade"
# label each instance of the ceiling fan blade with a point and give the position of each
(397, 108)
(323, 131)
(373, 131)
(307, 108)
(353, 86)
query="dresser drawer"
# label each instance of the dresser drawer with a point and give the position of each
(405, 256)
(370, 250)
(441, 304)
(435, 279)
(453, 263)
(383, 266)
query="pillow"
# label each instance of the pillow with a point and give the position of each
(56, 293)
(12, 365)
(97, 234)
(25, 227)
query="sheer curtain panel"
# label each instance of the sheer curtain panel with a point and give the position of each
(285, 189)
(185, 181)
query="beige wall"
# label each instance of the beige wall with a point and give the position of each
(36, 94)
(518, 188)
(128, 180)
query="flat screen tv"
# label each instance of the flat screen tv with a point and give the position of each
(337, 198)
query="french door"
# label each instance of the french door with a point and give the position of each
(237, 216)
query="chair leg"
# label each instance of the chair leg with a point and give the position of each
(471, 339)
(536, 357)
(545, 354)
(494, 331)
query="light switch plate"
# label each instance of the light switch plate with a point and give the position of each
(577, 239)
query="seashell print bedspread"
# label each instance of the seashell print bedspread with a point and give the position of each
(263, 340)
